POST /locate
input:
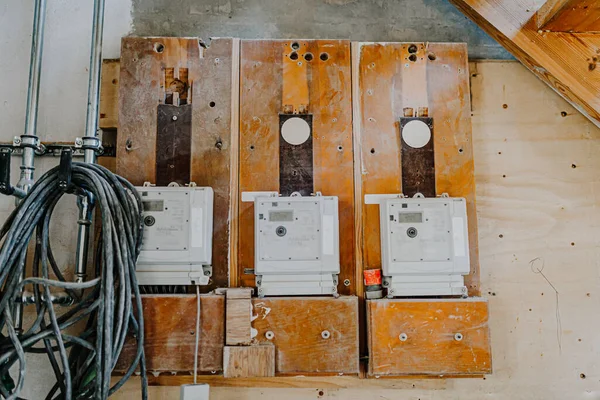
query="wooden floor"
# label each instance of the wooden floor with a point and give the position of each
(537, 175)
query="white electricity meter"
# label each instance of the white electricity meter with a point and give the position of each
(296, 244)
(177, 238)
(424, 245)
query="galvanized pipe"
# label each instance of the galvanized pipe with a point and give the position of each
(29, 139)
(90, 140)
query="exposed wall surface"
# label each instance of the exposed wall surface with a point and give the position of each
(538, 175)
(360, 20)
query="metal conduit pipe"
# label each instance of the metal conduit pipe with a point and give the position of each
(90, 142)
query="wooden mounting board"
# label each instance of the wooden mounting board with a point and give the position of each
(298, 323)
(430, 346)
(211, 74)
(269, 81)
(169, 328)
(386, 82)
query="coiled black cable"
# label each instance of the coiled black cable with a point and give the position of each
(110, 303)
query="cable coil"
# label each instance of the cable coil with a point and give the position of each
(109, 305)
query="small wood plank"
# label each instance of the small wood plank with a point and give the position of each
(566, 61)
(384, 93)
(109, 94)
(170, 333)
(249, 361)
(300, 326)
(146, 70)
(428, 337)
(238, 314)
(263, 88)
(569, 16)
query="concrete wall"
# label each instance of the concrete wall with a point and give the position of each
(360, 20)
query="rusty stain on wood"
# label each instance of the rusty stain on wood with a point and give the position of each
(428, 337)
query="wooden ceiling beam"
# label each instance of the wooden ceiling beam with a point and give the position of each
(567, 62)
(569, 16)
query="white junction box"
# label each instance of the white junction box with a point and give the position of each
(296, 244)
(424, 245)
(177, 239)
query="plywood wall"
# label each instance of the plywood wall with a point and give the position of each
(537, 174)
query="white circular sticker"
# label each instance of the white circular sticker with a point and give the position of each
(295, 131)
(416, 134)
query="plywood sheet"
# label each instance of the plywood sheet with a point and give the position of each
(428, 337)
(388, 81)
(159, 70)
(109, 94)
(312, 335)
(170, 333)
(270, 81)
(249, 361)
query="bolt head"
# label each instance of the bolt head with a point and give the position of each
(174, 118)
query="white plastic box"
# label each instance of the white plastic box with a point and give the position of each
(296, 240)
(424, 245)
(177, 239)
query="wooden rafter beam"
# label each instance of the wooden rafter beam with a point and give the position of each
(566, 61)
(569, 16)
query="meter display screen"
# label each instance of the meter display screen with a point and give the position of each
(410, 217)
(154, 205)
(281, 216)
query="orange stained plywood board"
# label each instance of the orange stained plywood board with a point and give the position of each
(170, 334)
(269, 81)
(312, 335)
(146, 66)
(428, 337)
(387, 82)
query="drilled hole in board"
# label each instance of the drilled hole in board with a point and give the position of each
(412, 57)
(372, 151)
(294, 56)
(295, 45)
(159, 47)
(460, 150)
(412, 49)
(212, 104)
(431, 56)
(324, 56)
(308, 57)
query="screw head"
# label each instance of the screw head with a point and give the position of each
(403, 337)
(325, 334)
(458, 337)
(346, 282)
(174, 118)
(207, 273)
(269, 335)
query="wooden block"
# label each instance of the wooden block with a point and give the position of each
(152, 70)
(270, 81)
(238, 314)
(569, 16)
(313, 335)
(428, 337)
(249, 361)
(109, 95)
(170, 333)
(388, 82)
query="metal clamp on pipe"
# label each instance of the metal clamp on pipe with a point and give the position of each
(5, 186)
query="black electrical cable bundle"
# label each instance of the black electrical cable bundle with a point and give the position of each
(109, 304)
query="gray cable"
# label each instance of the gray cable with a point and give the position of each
(109, 303)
